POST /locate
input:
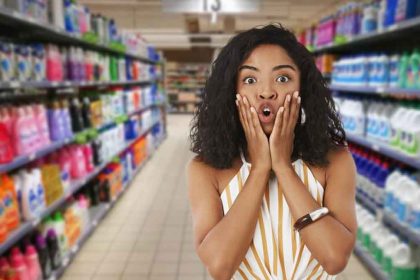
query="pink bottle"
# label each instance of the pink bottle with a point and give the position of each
(88, 153)
(32, 262)
(42, 123)
(4, 266)
(65, 161)
(54, 65)
(78, 167)
(21, 133)
(18, 264)
(35, 139)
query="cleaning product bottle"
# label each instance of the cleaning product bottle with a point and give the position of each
(59, 228)
(76, 115)
(405, 9)
(38, 62)
(3, 221)
(10, 202)
(32, 263)
(6, 148)
(64, 160)
(66, 119)
(19, 265)
(4, 266)
(402, 70)
(54, 249)
(86, 112)
(42, 123)
(21, 133)
(56, 9)
(7, 66)
(413, 68)
(56, 123)
(35, 141)
(88, 154)
(29, 197)
(44, 258)
(412, 130)
(40, 192)
(393, 70)
(78, 168)
(390, 244)
(404, 266)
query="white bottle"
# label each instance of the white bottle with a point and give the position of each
(40, 191)
(57, 13)
(404, 127)
(29, 197)
(403, 262)
(412, 129)
(390, 184)
(395, 127)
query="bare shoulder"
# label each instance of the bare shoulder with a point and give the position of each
(197, 170)
(341, 163)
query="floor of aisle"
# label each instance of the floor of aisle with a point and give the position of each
(148, 234)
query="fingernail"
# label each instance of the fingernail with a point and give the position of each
(288, 98)
(244, 99)
(281, 109)
(253, 109)
(237, 103)
(296, 94)
(238, 97)
(299, 100)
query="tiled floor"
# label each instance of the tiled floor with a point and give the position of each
(148, 233)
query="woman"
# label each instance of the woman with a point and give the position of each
(270, 150)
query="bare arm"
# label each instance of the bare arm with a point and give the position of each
(331, 239)
(222, 241)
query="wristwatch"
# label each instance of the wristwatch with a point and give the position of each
(310, 218)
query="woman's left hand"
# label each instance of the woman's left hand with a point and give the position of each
(283, 134)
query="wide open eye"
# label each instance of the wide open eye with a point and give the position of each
(249, 80)
(282, 79)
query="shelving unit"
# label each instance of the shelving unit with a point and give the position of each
(16, 22)
(408, 93)
(370, 263)
(384, 149)
(184, 84)
(76, 185)
(390, 35)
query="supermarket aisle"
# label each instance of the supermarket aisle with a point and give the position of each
(148, 234)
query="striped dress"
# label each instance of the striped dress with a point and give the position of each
(276, 251)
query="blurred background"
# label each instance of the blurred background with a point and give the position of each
(96, 98)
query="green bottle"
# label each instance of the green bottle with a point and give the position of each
(402, 70)
(413, 70)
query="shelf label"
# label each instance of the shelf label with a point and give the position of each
(375, 147)
(393, 27)
(66, 261)
(14, 84)
(380, 90)
(75, 249)
(36, 222)
(54, 84)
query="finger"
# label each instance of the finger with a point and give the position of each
(248, 115)
(241, 109)
(278, 123)
(293, 109)
(256, 121)
(239, 112)
(286, 114)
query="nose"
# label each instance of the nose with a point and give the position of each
(266, 94)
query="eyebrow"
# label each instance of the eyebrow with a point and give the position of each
(278, 67)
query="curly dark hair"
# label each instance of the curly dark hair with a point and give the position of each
(217, 136)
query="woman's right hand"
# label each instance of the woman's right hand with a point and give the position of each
(258, 145)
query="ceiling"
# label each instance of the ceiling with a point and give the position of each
(175, 30)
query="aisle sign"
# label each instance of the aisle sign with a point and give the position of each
(211, 6)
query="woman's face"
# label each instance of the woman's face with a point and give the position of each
(265, 78)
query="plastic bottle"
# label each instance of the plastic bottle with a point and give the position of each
(390, 245)
(414, 211)
(18, 264)
(3, 222)
(54, 249)
(44, 258)
(393, 70)
(32, 263)
(405, 9)
(30, 200)
(86, 113)
(4, 266)
(76, 115)
(57, 13)
(22, 133)
(7, 62)
(395, 126)
(78, 168)
(35, 140)
(413, 69)
(412, 134)
(10, 202)
(59, 227)
(56, 122)
(66, 117)
(402, 71)
(6, 148)
(40, 192)
(41, 121)
(369, 21)
(38, 63)
(404, 266)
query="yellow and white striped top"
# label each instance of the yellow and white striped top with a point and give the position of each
(276, 251)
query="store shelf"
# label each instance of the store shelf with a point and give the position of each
(97, 214)
(27, 227)
(369, 263)
(183, 102)
(378, 90)
(366, 202)
(69, 84)
(38, 31)
(384, 149)
(391, 34)
(405, 231)
(22, 160)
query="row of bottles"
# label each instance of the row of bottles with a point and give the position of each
(38, 62)
(395, 257)
(391, 123)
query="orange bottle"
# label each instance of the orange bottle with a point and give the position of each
(3, 224)
(10, 203)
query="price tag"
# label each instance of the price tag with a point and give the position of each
(36, 222)
(66, 261)
(52, 278)
(14, 84)
(393, 27)
(75, 249)
(380, 90)
(54, 84)
(32, 156)
(375, 147)
(67, 83)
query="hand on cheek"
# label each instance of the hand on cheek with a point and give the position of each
(282, 136)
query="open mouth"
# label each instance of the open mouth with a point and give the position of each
(266, 113)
